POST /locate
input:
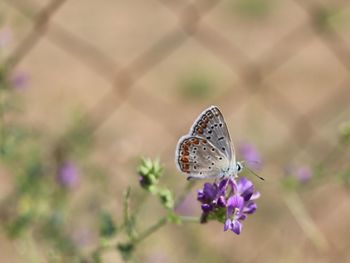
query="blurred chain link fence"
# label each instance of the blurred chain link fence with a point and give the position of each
(251, 73)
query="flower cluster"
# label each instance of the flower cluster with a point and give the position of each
(68, 175)
(149, 174)
(297, 175)
(229, 202)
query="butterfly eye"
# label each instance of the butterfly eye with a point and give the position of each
(239, 167)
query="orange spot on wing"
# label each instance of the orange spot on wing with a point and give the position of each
(184, 159)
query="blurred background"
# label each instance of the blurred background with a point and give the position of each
(96, 84)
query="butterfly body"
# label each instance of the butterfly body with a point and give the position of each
(207, 151)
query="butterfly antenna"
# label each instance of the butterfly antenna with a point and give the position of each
(250, 170)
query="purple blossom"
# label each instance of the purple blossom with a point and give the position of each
(229, 202)
(68, 175)
(302, 173)
(251, 155)
(20, 80)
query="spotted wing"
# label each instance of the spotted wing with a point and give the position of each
(211, 126)
(199, 158)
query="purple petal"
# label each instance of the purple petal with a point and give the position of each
(244, 184)
(227, 225)
(304, 174)
(242, 217)
(20, 80)
(245, 188)
(235, 201)
(221, 201)
(209, 191)
(233, 184)
(68, 175)
(206, 208)
(255, 196)
(200, 196)
(250, 208)
(223, 184)
(236, 227)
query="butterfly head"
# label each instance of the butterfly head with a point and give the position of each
(239, 167)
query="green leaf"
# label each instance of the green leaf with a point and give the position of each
(108, 227)
(19, 225)
(126, 250)
(166, 198)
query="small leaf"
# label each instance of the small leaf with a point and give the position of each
(108, 227)
(19, 225)
(166, 198)
(126, 250)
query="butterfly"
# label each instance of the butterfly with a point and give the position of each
(207, 151)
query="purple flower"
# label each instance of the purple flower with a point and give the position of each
(68, 175)
(251, 155)
(302, 173)
(235, 205)
(229, 202)
(20, 80)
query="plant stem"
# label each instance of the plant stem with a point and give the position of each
(160, 223)
(298, 210)
(128, 221)
(190, 219)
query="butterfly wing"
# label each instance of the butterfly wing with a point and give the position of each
(199, 158)
(211, 126)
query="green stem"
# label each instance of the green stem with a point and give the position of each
(134, 241)
(160, 223)
(128, 222)
(190, 219)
